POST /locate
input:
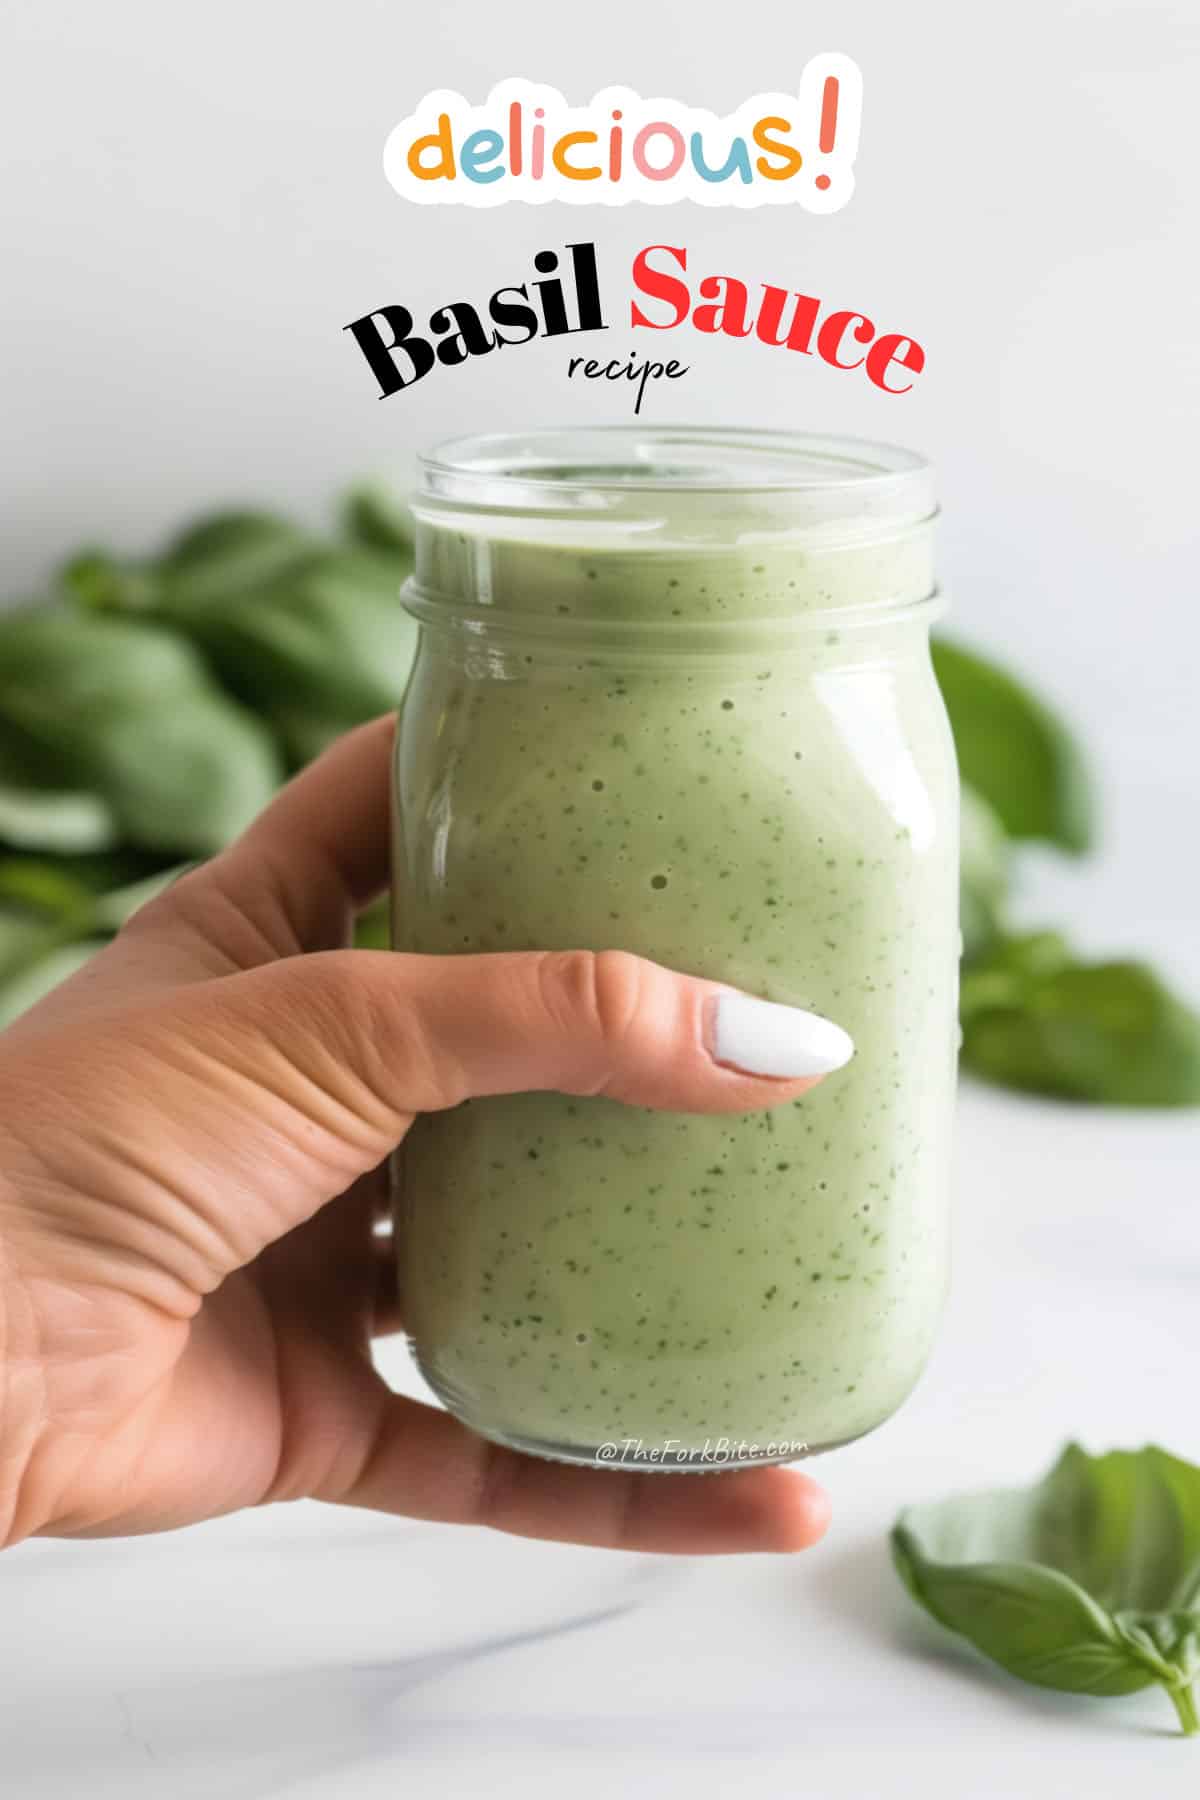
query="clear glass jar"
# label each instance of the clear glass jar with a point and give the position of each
(673, 695)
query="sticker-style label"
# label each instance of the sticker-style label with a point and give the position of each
(525, 142)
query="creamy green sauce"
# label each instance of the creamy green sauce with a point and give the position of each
(780, 817)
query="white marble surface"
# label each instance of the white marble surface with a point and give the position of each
(303, 1652)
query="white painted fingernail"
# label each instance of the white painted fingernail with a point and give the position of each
(762, 1038)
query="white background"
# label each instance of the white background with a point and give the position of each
(195, 207)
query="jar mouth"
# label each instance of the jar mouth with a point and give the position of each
(674, 484)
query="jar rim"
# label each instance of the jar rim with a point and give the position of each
(663, 487)
(554, 469)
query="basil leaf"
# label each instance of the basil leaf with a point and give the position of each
(24, 938)
(39, 810)
(1034, 1623)
(105, 583)
(235, 552)
(1015, 752)
(373, 928)
(319, 646)
(111, 910)
(1088, 1582)
(311, 635)
(373, 515)
(306, 734)
(1035, 1019)
(38, 885)
(128, 712)
(984, 861)
(50, 884)
(52, 922)
(232, 552)
(34, 819)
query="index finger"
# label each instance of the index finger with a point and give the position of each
(319, 853)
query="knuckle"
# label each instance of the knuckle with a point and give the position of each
(600, 990)
(192, 903)
(165, 909)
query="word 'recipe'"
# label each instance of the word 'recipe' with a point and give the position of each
(565, 301)
(526, 143)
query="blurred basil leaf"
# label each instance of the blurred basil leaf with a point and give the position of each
(50, 883)
(111, 910)
(235, 552)
(39, 885)
(316, 650)
(52, 922)
(106, 583)
(373, 515)
(1035, 1018)
(24, 938)
(41, 819)
(310, 634)
(305, 734)
(1013, 750)
(39, 810)
(1088, 1581)
(128, 712)
(373, 928)
(1001, 976)
(228, 552)
(984, 865)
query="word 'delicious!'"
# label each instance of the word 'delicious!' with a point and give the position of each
(526, 143)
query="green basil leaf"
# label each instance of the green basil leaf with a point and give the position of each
(129, 712)
(310, 635)
(69, 895)
(97, 580)
(984, 860)
(52, 921)
(226, 553)
(34, 819)
(47, 888)
(373, 928)
(1034, 1623)
(1109, 1032)
(1084, 1582)
(1027, 954)
(306, 734)
(24, 938)
(40, 809)
(1015, 752)
(235, 553)
(50, 883)
(112, 910)
(374, 515)
(317, 648)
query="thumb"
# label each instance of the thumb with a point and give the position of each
(390, 1035)
(257, 1097)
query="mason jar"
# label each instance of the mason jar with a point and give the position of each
(673, 695)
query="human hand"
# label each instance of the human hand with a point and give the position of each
(192, 1133)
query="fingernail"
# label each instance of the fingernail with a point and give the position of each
(761, 1038)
